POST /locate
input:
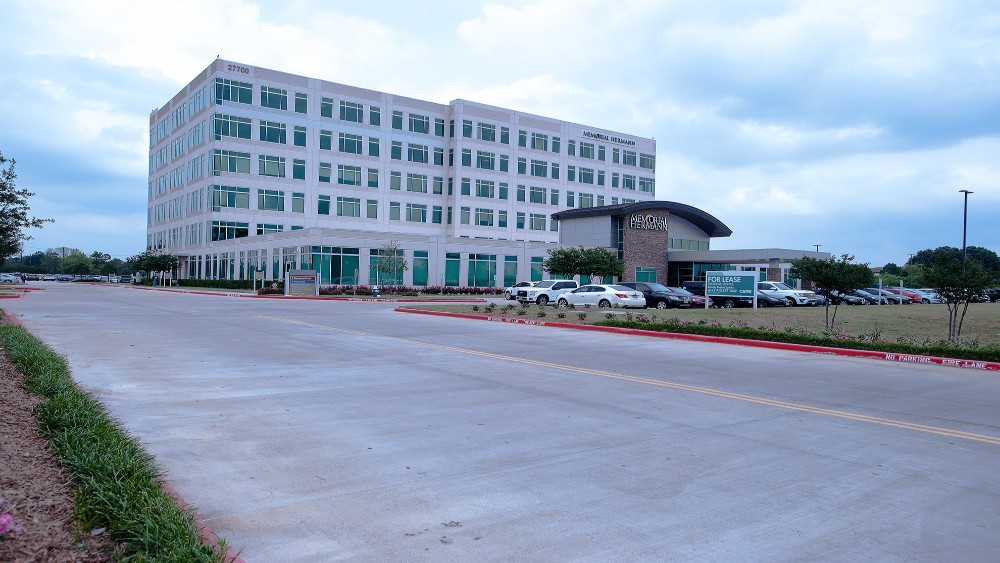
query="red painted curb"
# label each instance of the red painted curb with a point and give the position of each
(206, 533)
(11, 296)
(890, 356)
(10, 318)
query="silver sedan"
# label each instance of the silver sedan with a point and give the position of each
(603, 296)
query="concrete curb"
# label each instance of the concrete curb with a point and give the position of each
(889, 356)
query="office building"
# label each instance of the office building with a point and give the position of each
(255, 169)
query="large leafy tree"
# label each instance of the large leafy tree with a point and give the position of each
(959, 285)
(833, 274)
(78, 264)
(564, 261)
(113, 266)
(984, 257)
(100, 259)
(14, 212)
(893, 270)
(594, 262)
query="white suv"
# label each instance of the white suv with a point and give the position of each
(793, 296)
(545, 292)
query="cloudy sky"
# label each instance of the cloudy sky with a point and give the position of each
(850, 124)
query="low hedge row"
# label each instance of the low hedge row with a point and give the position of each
(221, 284)
(987, 354)
(395, 290)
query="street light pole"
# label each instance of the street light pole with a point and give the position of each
(965, 224)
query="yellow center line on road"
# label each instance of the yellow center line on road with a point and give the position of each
(985, 438)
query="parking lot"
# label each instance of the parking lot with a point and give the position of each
(318, 430)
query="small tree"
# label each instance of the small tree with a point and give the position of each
(152, 261)
(391, 260)
(14, 216)
(958, 287)
(601, 262)
(833, 274)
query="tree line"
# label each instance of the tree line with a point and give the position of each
(73, 261)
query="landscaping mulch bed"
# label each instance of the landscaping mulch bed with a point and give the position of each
(36, 491)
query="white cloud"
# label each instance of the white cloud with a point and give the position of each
(786, 118)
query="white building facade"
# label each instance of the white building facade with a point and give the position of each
(251, 168)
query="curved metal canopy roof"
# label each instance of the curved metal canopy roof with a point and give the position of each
(712, 226)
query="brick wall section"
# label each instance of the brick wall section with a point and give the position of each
(646, 248)
(774, 274)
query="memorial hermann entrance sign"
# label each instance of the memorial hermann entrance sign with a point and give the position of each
(731, 284)
(302, 283)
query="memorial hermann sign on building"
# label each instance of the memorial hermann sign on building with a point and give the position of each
(648, 222)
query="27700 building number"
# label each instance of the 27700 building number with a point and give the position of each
(240, 69)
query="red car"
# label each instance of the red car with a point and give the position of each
(915, 297)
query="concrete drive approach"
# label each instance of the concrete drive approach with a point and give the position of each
(318, 431)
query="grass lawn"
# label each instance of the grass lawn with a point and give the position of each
(914, 323)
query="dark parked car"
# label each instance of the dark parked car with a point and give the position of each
(697, 301)
(765, 300)
(695, 287)
(658, 295)
(733, 302)
(837, 298)
(870, 298)
(993, 294)
(890, 296)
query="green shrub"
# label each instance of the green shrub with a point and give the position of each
(222, 284)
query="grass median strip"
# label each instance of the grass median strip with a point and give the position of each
(899, 329)
(117, 481)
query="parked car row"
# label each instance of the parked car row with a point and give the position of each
(660, 296)
(113, 278)
(654, 295)
(691, 295)
(768, 295)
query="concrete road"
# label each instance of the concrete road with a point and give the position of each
(323, 431)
